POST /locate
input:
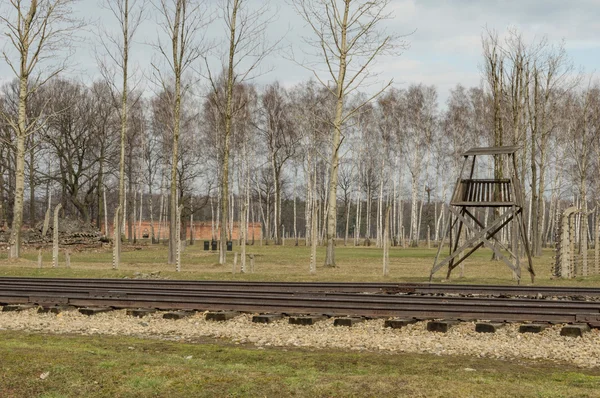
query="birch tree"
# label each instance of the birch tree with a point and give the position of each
(494, 75)
(310, 109)
(247, 46)
(347, 36)
(583, 118)
(116, 46)
(39, 34)
(418, 127)
(152, 158)
(183, 23)
(104, 128)
(549, 77)
(281, 138)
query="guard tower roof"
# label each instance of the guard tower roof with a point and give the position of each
(496, 150)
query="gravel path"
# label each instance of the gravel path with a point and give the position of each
(462, 339)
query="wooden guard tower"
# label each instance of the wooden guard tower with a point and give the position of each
(472, 193)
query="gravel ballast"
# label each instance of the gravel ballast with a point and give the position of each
(506, 343)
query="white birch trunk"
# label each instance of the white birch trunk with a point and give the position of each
(386, 243)
(105, 214)
(358, 216)
(140, 234)
(413, 237)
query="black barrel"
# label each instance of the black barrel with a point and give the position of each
(213, 245)
(229, 245)
(206, 245)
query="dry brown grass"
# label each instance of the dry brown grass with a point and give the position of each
(287, 263)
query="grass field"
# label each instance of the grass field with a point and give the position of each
(128, 367)
(85, 366)
(285, 263)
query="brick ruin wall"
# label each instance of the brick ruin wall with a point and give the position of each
(203, 230)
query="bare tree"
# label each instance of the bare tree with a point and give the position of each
(310, 107)
(419, 125)
(38, 35)
(152, 158)
(347, 38)
(182, 21)
(247, 47)
(129, 15)
(72, 141)
(104, 127)
(582, 112)
(550, 77)
(494, 75)
(281, 138)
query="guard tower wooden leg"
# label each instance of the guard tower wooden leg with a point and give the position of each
(460, 226)
(526, 245)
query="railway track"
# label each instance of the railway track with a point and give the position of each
(356, 287)
(413, 300)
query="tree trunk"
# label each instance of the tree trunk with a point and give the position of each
(583, 234)
(32, 186)
(275, 203)
(178, 48)
(358, 216)
(133, 219)
(295, 215)
(313, 239)
(336, 142)
(2, 214)
(534, 189)
(308, 200)
(100, 194)
(105, 213)
(347, 221)
(160, 214)
(17, 223)
(226, 149)
(245, 209)
(151, 211)
(386, 243)
(140, 233)
(369, 204)
(380, 210)
(124, 95)
(414, 238)
(597, 243)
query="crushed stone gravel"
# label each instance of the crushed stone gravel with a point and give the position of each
(506, 343)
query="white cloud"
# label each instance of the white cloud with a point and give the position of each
(445, 48)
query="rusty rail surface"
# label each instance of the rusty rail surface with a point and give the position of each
(358, 287)
(421, 301)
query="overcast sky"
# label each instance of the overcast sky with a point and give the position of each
(445, 48)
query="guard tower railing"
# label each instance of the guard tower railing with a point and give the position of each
(486, 192)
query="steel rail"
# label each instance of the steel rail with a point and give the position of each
(331, 300)
(209, 296)
(393, 288)
(144, 292)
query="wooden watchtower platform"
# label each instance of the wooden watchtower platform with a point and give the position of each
(469, 193)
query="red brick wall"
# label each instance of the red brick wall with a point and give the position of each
(202, 230)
